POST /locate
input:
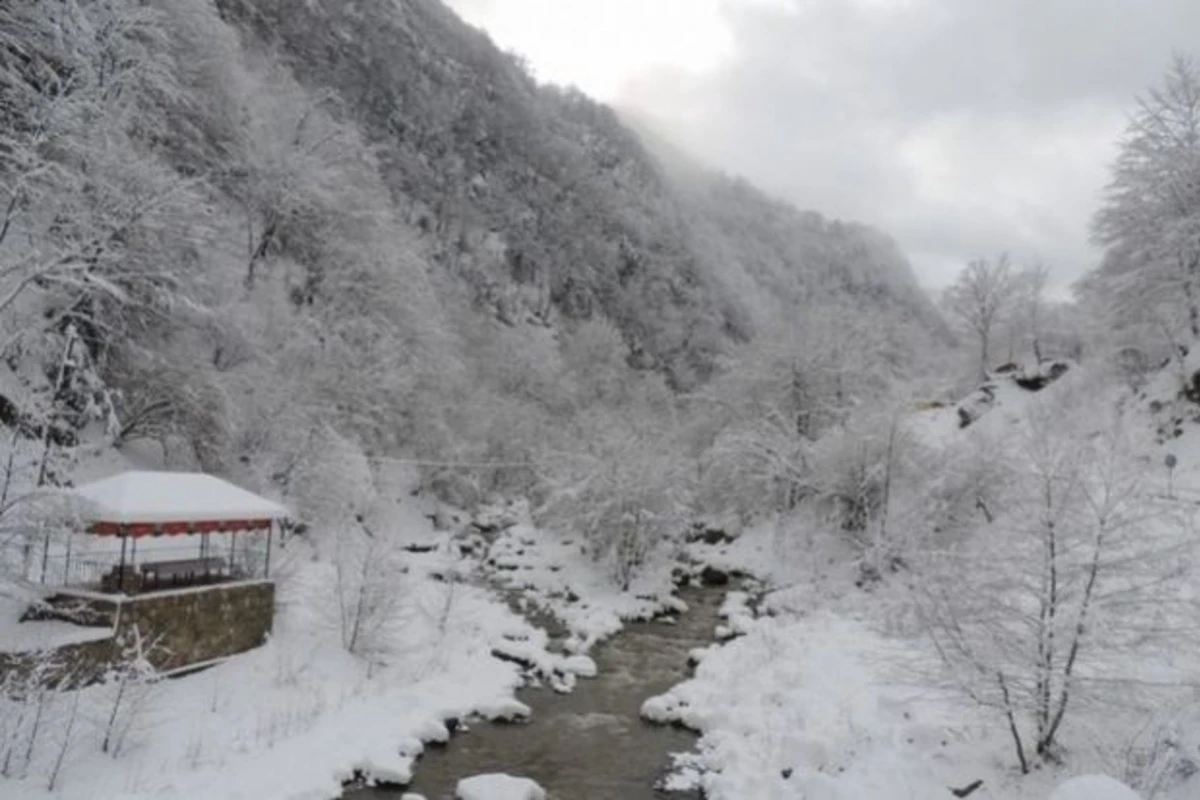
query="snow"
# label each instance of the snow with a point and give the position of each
(581, 666)
(296, 717)
(814, 695)
(508, 710)
(148, 497)
(551, 572)
(1093, 787)
(738, 616)
(815, 706)
(498, 786)
(995, 407)
(18, 637)
(826, 691)
(118, 599)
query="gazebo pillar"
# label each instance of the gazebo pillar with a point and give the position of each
(270, 536)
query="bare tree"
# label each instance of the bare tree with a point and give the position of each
(132, 680)
(369, 594)
(66, 738)
(981, 293)
(624, 497)
(26, 698)
(1031, 305)
(1045, 609)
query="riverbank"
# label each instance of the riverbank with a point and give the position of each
(824, 690)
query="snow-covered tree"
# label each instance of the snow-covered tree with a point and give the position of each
(1150, 219)
(79, 203)
(1028, 320)
(1068, 582)
(624, 496)
(754, 429)
(979, 296)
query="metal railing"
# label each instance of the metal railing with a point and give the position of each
(92, 568)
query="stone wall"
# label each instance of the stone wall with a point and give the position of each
(192, 626)
(178, 628)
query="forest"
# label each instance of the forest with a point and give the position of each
(354, 257)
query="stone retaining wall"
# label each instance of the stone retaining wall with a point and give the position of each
(178, 628)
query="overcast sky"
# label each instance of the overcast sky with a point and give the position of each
(961, 127)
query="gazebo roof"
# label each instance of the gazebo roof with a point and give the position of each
(176, 498)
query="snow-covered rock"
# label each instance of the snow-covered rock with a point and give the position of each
(582, 666)
(1093, 787)
(433, 730)
(738, 616)
(498, 786)
(506, 710)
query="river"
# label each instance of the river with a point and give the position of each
(590, 744)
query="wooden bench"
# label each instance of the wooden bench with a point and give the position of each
(183, 570)
(116, 580)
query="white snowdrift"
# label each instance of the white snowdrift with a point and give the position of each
(807, 708)
(1093, 787)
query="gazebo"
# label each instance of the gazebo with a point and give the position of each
(136, 506)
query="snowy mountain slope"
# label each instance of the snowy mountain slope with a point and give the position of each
(542, 200)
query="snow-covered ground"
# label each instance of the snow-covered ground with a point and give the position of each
(552, 573)
(822, 696)
(298, 716)
(1093, 787)
(18, 637)
(824, 689)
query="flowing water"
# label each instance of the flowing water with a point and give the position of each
(590, 744)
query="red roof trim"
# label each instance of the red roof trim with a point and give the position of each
(139, 529)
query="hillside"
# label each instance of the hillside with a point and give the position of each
(365, 221)
(543, 203)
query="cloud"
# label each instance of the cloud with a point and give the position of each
(597, 45)
(961, 128)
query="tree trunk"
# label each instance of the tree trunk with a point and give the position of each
(1047, 738)
(984, 356)
(1012, 724)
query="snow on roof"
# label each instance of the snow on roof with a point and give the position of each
(150, 497)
